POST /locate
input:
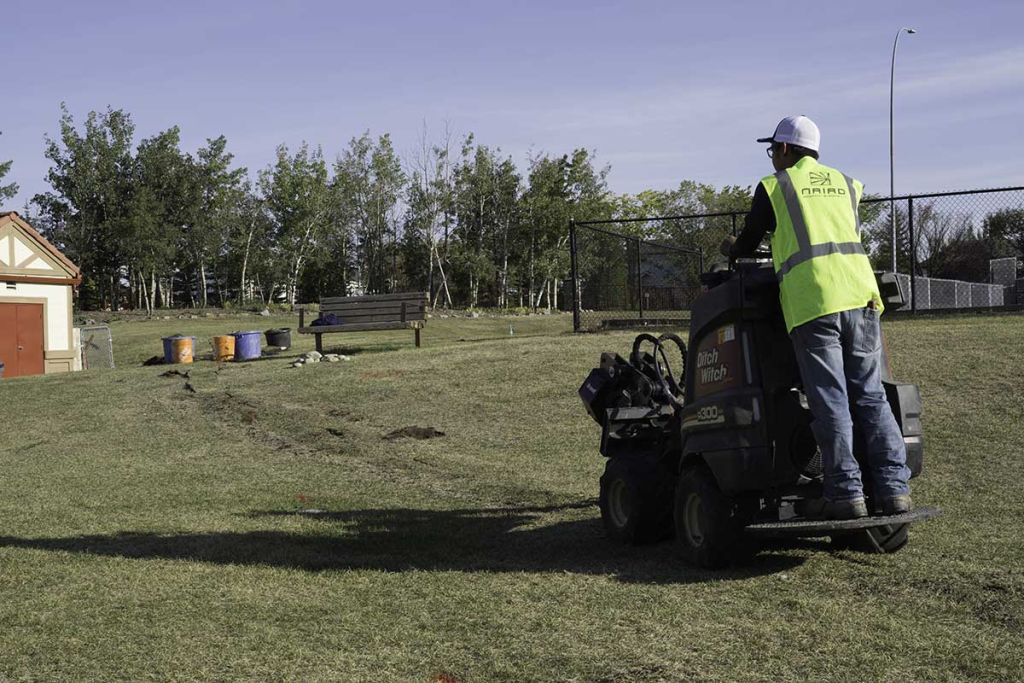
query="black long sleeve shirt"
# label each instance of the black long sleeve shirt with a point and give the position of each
(759, 222)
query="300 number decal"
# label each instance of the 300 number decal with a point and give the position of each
(709, 413)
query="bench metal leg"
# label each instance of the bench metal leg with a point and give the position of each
(319, 344)
(417, 331)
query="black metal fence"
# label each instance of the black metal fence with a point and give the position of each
(953, 250)
(625, 280)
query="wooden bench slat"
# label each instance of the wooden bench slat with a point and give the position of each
(348, 308)
(357, 327)
(409, 303)
(375, 297)
(388, 315)
(377, 318)
(375, 310)
(397, 312)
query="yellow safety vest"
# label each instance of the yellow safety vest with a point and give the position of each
(819, 259)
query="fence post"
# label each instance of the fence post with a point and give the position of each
(639, 281)
(913, 255)
(733, 225)
(575, 277)
(700, 262)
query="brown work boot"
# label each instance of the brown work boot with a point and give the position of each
(837, 509)
(895, 505)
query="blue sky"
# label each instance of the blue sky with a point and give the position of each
(662, 91)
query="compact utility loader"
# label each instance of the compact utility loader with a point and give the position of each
(720, 452)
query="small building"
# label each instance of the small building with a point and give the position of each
(36, 290)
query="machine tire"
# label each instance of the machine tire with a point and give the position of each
(634, 507)
(708, 523)
(888, 538)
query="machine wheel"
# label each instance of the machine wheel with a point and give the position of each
(888, 538)
(709, 524)
(634, 508)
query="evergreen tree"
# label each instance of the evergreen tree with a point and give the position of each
(6, 191)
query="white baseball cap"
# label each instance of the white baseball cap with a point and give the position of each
(796, 130)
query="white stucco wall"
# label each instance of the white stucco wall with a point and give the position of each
(58, 303)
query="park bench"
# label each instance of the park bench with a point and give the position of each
(369, 313)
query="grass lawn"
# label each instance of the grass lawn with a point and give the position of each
(261, 527)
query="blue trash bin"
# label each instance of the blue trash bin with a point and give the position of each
(247, 345)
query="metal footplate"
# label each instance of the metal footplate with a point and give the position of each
(823, 527)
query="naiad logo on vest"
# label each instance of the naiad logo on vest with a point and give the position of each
(821, 182)
(818, 178)
(822, 192)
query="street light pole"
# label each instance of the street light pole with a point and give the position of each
(892, 202)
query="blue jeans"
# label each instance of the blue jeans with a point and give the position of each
(840, 357)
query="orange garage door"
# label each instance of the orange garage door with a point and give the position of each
(21, 339)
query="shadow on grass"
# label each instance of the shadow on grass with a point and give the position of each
(394, 540)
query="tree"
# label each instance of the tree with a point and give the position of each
(876, 235)
(6, 191)
(295, 192)
(92, 180)
(368, 181)
(946, 244)
(487, 190)
(386, 185)
(218, 189)
(704, 233)
(470, 229)
(1006, 230)
(559, 190)
(161, 207)
(351, 197)
(507, 189)
(250, 248)
(429, 216)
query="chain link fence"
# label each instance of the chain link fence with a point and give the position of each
(953, 250)
(622, 280)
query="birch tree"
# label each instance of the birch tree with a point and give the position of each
(560, 189)
(295, 190)
(429, 213)
(219, 189)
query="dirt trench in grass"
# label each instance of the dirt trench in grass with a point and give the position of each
(336, 436)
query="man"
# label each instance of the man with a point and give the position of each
(831, 304)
